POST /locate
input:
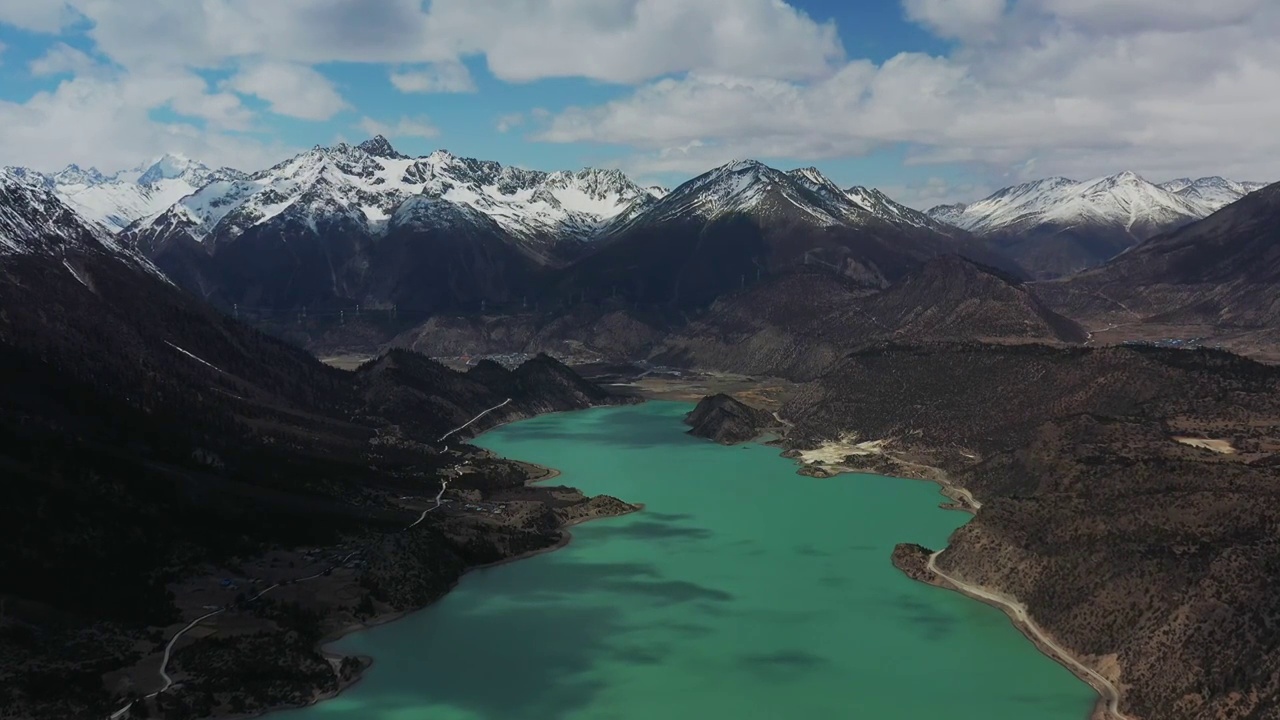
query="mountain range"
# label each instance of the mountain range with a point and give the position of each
(364, 225)
(352, 215)
(117, 200)
(1057, 226)
(800, 324)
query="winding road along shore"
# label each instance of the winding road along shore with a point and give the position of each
(168, 648)
(1018, 611)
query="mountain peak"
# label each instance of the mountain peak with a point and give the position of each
(74, 175)
(742, 165)
(379, 146)
(813, 177)
(1127, 177)
(169, 166)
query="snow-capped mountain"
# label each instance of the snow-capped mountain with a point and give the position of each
(866, 202)
(745, 219)
(1123, 201)
(1218, 272)
(1056, 225)
(1211, 194)
(752, 188)
(366, 183)
(34, 221)
(114, 201)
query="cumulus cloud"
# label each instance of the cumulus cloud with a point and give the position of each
(106, 121)
(293, 90)
(405, 127)
(1082, 86)
(934, 191)
(62, 59)
(507, 123)
(610, 40)
(447, 77)
(44, 16)
(273, 47)
(631, 40)
(965, 19)
(1129, 16)
(1166, 98)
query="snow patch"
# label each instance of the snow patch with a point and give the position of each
(1124, 200)
(73, 272)
(193, 357)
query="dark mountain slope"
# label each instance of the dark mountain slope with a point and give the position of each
(735, 224)
(798, 325)
(590, 331)
(145, 436)
(1220, 271)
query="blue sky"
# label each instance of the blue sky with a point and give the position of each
(932, 100)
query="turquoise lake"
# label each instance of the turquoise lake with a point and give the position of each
(743, 591)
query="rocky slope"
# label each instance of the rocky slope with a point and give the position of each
(588, 332)
(727, 421)
(148, 440)
(1219, 273)
(1127, 499)
(1057, 226)
(800, 324)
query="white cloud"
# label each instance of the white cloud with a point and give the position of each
(610, 40)
(1082, 86)
(44, 16)
(631, 40)
(1165, 101)
(293, 90)
(106, 122)
(935, 191)
(62, 59)
(507, 123)
(965, 19)
(420, 127)
(448, 77)
(1129, 16)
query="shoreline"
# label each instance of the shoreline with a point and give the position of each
(1109, 696)
(367, 661)
(961, 500)
(1107, 706)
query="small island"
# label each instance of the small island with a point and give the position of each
(727, 421)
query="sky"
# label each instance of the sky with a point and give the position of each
(930, 100)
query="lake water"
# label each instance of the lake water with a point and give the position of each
(743, 591)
